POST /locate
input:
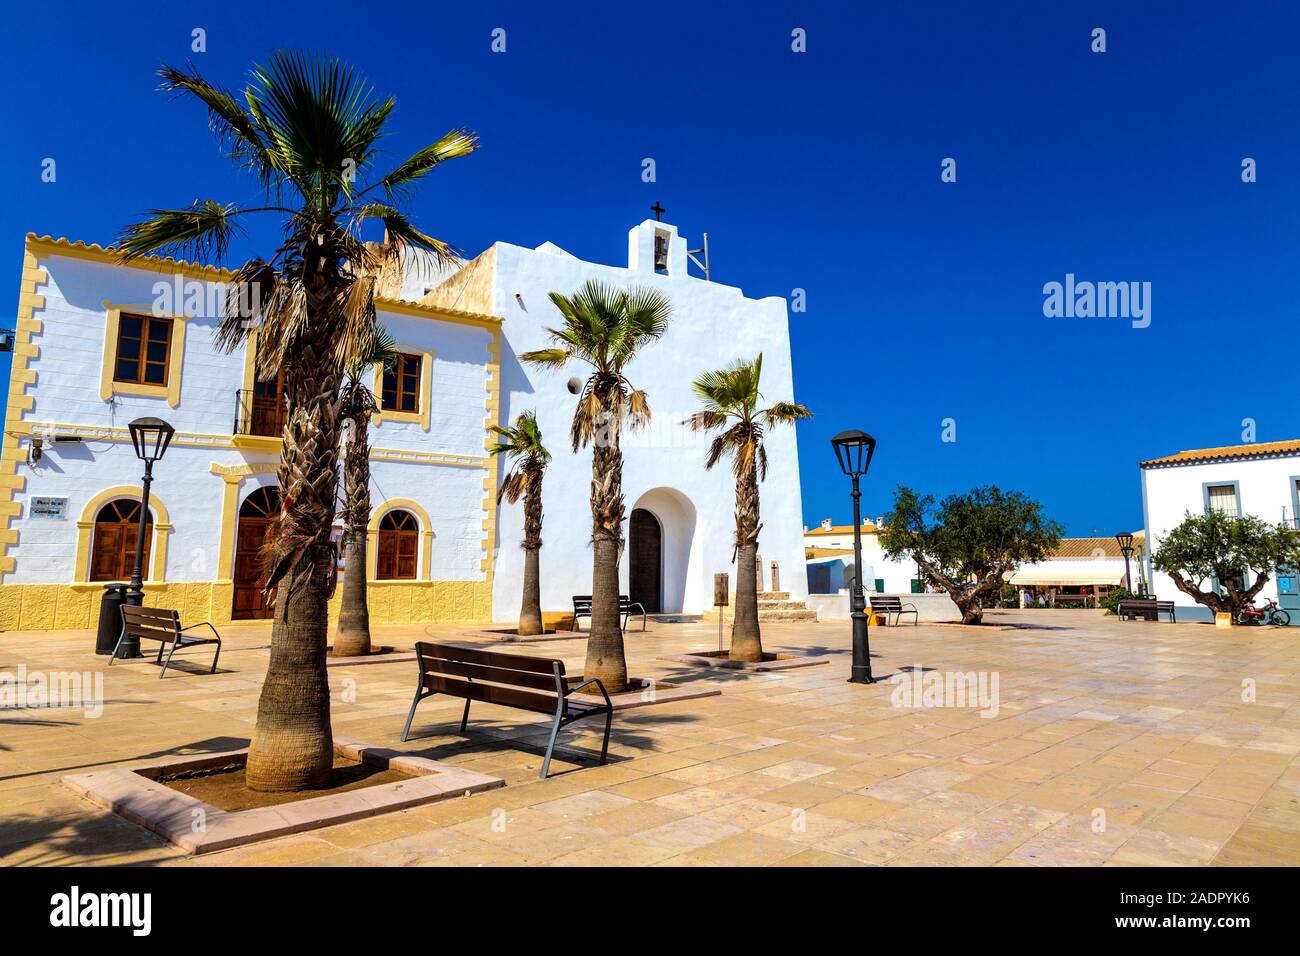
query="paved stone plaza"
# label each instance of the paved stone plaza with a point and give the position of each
(1116, 743)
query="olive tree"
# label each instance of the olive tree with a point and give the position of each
(967, 544)
(1216, 548)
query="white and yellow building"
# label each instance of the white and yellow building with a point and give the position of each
(100, 343)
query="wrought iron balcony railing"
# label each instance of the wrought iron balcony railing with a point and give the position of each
(258, 414)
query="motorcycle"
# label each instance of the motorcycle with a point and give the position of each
(1270, 613)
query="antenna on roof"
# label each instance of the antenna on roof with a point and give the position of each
(703, 266)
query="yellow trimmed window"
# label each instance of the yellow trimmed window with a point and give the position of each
(143, 354)
(401, 384)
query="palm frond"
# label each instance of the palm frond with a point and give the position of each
(452, 145)
(784, 413)
(235, 129)
(402, 236)
(203, 231)
(553, 358)
(320, 121)
(706, 420)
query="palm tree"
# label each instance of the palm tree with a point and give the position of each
(522, 444)
(352, 635)
(307, 129)
(730, 396)
(604, 328)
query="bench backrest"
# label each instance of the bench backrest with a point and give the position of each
(582, 603)
(514, 680)
(886, 603)
(153, 623)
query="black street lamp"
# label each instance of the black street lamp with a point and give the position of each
(150, 436)
(1126, 548)
(853, 450)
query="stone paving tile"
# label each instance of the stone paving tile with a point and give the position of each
(1114, 743)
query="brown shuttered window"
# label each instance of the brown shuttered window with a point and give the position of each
(401, 391)
(143, 350)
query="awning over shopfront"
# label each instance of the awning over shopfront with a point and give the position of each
(1047, 579)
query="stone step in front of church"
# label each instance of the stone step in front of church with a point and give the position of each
(777, 606)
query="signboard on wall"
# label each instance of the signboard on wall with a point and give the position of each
(55, 509)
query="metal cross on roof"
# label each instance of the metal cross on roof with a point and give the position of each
(658, 210)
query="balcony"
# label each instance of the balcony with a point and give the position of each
(259, 418)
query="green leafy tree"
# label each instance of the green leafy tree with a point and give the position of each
(730, 399)
(308, 129)
(352, 635)
(968, 544)
(604, 328)
(521, 443)
(1213, 546)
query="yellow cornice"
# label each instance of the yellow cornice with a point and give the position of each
(93, 252)
(107, 254)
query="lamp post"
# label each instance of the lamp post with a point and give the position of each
(150, 436)
(853, 450)
(1126, 548)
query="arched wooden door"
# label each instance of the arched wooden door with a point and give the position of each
(256, 516)
(645, 560)
(112, 550)
(398, 546)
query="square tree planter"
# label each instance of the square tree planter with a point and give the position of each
(199, 827)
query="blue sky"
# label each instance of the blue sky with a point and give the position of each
(818, 171)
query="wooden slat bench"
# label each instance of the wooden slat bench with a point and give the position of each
(1072, 599)
(534, 684)
(1148, 608)
(626, 607)
(894, 606)
(164, 626)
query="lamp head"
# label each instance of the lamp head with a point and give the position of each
(150, 436)
(853, 450)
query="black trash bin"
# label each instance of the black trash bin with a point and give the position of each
(110, 617)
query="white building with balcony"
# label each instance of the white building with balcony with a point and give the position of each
(99, 343)
(1260, 479)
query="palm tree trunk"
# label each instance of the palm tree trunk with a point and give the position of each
(746, 640)
(530, 611)
(352, 636)
(293, 746)
(605, 657)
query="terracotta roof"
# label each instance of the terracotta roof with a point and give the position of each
(811, 553)
(1094, 547)
(867, 528)
(1264, 449)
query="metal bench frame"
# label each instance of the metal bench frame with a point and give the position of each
(896, 607)
(164, 626)
(510, 680)
(626, 606)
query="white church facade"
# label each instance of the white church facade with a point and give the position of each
(94, 350)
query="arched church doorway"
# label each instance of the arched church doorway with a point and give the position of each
(664, 554)
(645, 560)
